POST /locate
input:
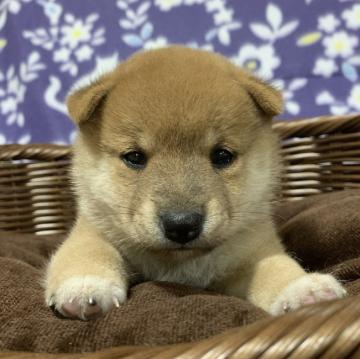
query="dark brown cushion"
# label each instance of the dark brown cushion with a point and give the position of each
(155, 313)
(323, 232)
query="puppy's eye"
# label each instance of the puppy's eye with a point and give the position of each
(220, 157)
(135, 159)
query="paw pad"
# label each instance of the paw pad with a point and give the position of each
(86, 297)
(307, 290)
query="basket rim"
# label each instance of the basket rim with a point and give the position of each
(316, 126)
(322, 335)
(34, 151)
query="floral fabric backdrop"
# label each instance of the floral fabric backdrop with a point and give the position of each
(309, 48)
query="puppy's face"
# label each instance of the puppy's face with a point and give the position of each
(175, 150)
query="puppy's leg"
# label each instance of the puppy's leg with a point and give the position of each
(272, 280)
(86, 276)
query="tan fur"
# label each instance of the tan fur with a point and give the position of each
(176, 104)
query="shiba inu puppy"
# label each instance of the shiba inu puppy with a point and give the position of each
(175, 168)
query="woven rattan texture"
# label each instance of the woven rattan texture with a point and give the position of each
(35, 195)
(320, 155)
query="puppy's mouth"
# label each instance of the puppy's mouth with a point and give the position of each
(183, 250)
(192, 249)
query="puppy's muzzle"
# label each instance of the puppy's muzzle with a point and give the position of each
(182, 227)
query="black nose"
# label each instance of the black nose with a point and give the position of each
(182, 227)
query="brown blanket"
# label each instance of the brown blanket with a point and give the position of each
(322, 232)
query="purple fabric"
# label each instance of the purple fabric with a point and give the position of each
(308, 48)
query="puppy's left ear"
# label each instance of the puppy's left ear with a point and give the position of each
(264, 95)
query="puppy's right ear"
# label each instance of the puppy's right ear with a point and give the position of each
(85, 99)
(265, 96)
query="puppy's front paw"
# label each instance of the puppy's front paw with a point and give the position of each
(309, 289)
(86, 297)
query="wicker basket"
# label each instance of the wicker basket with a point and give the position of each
(321, 155)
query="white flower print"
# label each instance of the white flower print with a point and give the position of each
(214, 5)
(271, 40)
(84, 53)
(166, 5)
(2, 139)
(75, 32)
(328, 23)
(53, 94)
(340, 44)
(12, 6)
(261, 60)
(325, 67)
(352, 17)
(66, 141)
(70, 39)
(62, 54)
(288, 89)
(223, 21)
(324, 98)
(8, 105)
(193, 2)
(9, 6)
(156, 43)
(223, 15)
(354, 98)
(52, 10)
(13, 88)
(274, 28)
(195, 45)
(133, 18)
(338, 107)
(22, 140)
(15, 95)
(136, 20)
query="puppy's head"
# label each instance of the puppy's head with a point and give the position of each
(175, 150)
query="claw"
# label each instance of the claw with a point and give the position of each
(80, 297)
(82, 315)
(286, 307)
(116, 302)
(51, 301)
